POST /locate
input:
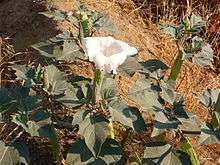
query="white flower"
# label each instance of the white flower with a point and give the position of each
(106, 52)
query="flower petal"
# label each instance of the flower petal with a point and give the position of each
(106, 52)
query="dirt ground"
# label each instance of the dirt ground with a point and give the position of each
(20, 20)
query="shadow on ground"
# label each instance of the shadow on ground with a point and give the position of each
(20, 20)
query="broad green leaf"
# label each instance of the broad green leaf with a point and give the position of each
(189, 124)
(24, 152)
(210, 97)
(9, 155)
(55, 14)
(70, 51)
(154, 68)
(216, 120)
(188, 148)
(143, 94)
(26, 73)
(29, 103)
(111, 152)
(62, 47)
(40, 115)
(55, 84)
(162, 123)
(130, 66)
(101, 21)
(168, 29)
(108, 88)
(126, 115)
(164, 154)
(168, 92)
(79, 153)
(40, 128)
(209, 135)
(70, 98)
(7, 102)
(84, 87)
(94, 129)
(196, 23)
(55, 81)
(203, 53)
(17, 99)
(59, 15)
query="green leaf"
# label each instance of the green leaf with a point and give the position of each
(154, 68)
(162, 123)
(187, 148)
(55, 81)
(79, 153)
(189, 124)
(101, 21)
(9, 155)
(168, 92)
(62, 47)
(126, 115)
(55, 14)
(18, 99)
(196, 23)
(164, 154)
(216, 120)
(94, 128)
(203, 52)
(168, 29)
(25, 73)
(84, 87)
(143, 94)
(108, 89)
(7, 102)
(209, 135)
(55, 84)
(130, 66)
(40, 128)
(70, 98)
(24, 152)
(210, 97)
(40, 115)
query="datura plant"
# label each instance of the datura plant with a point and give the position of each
(190, 45)
(95, 102)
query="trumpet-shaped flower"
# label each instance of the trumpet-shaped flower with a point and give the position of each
(107, 53)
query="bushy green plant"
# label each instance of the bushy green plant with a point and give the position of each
(98, 104)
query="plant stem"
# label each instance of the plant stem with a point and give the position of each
(111, 129)
(187, 147)
(217, 105)
(56, 149)
(97, 84)
(85, 24)
(175, 71)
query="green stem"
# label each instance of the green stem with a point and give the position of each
(176, 69)
(56, 149)
(85, 24)
(217, 105)
(111, 130)
(97, 84)
(187, 147)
